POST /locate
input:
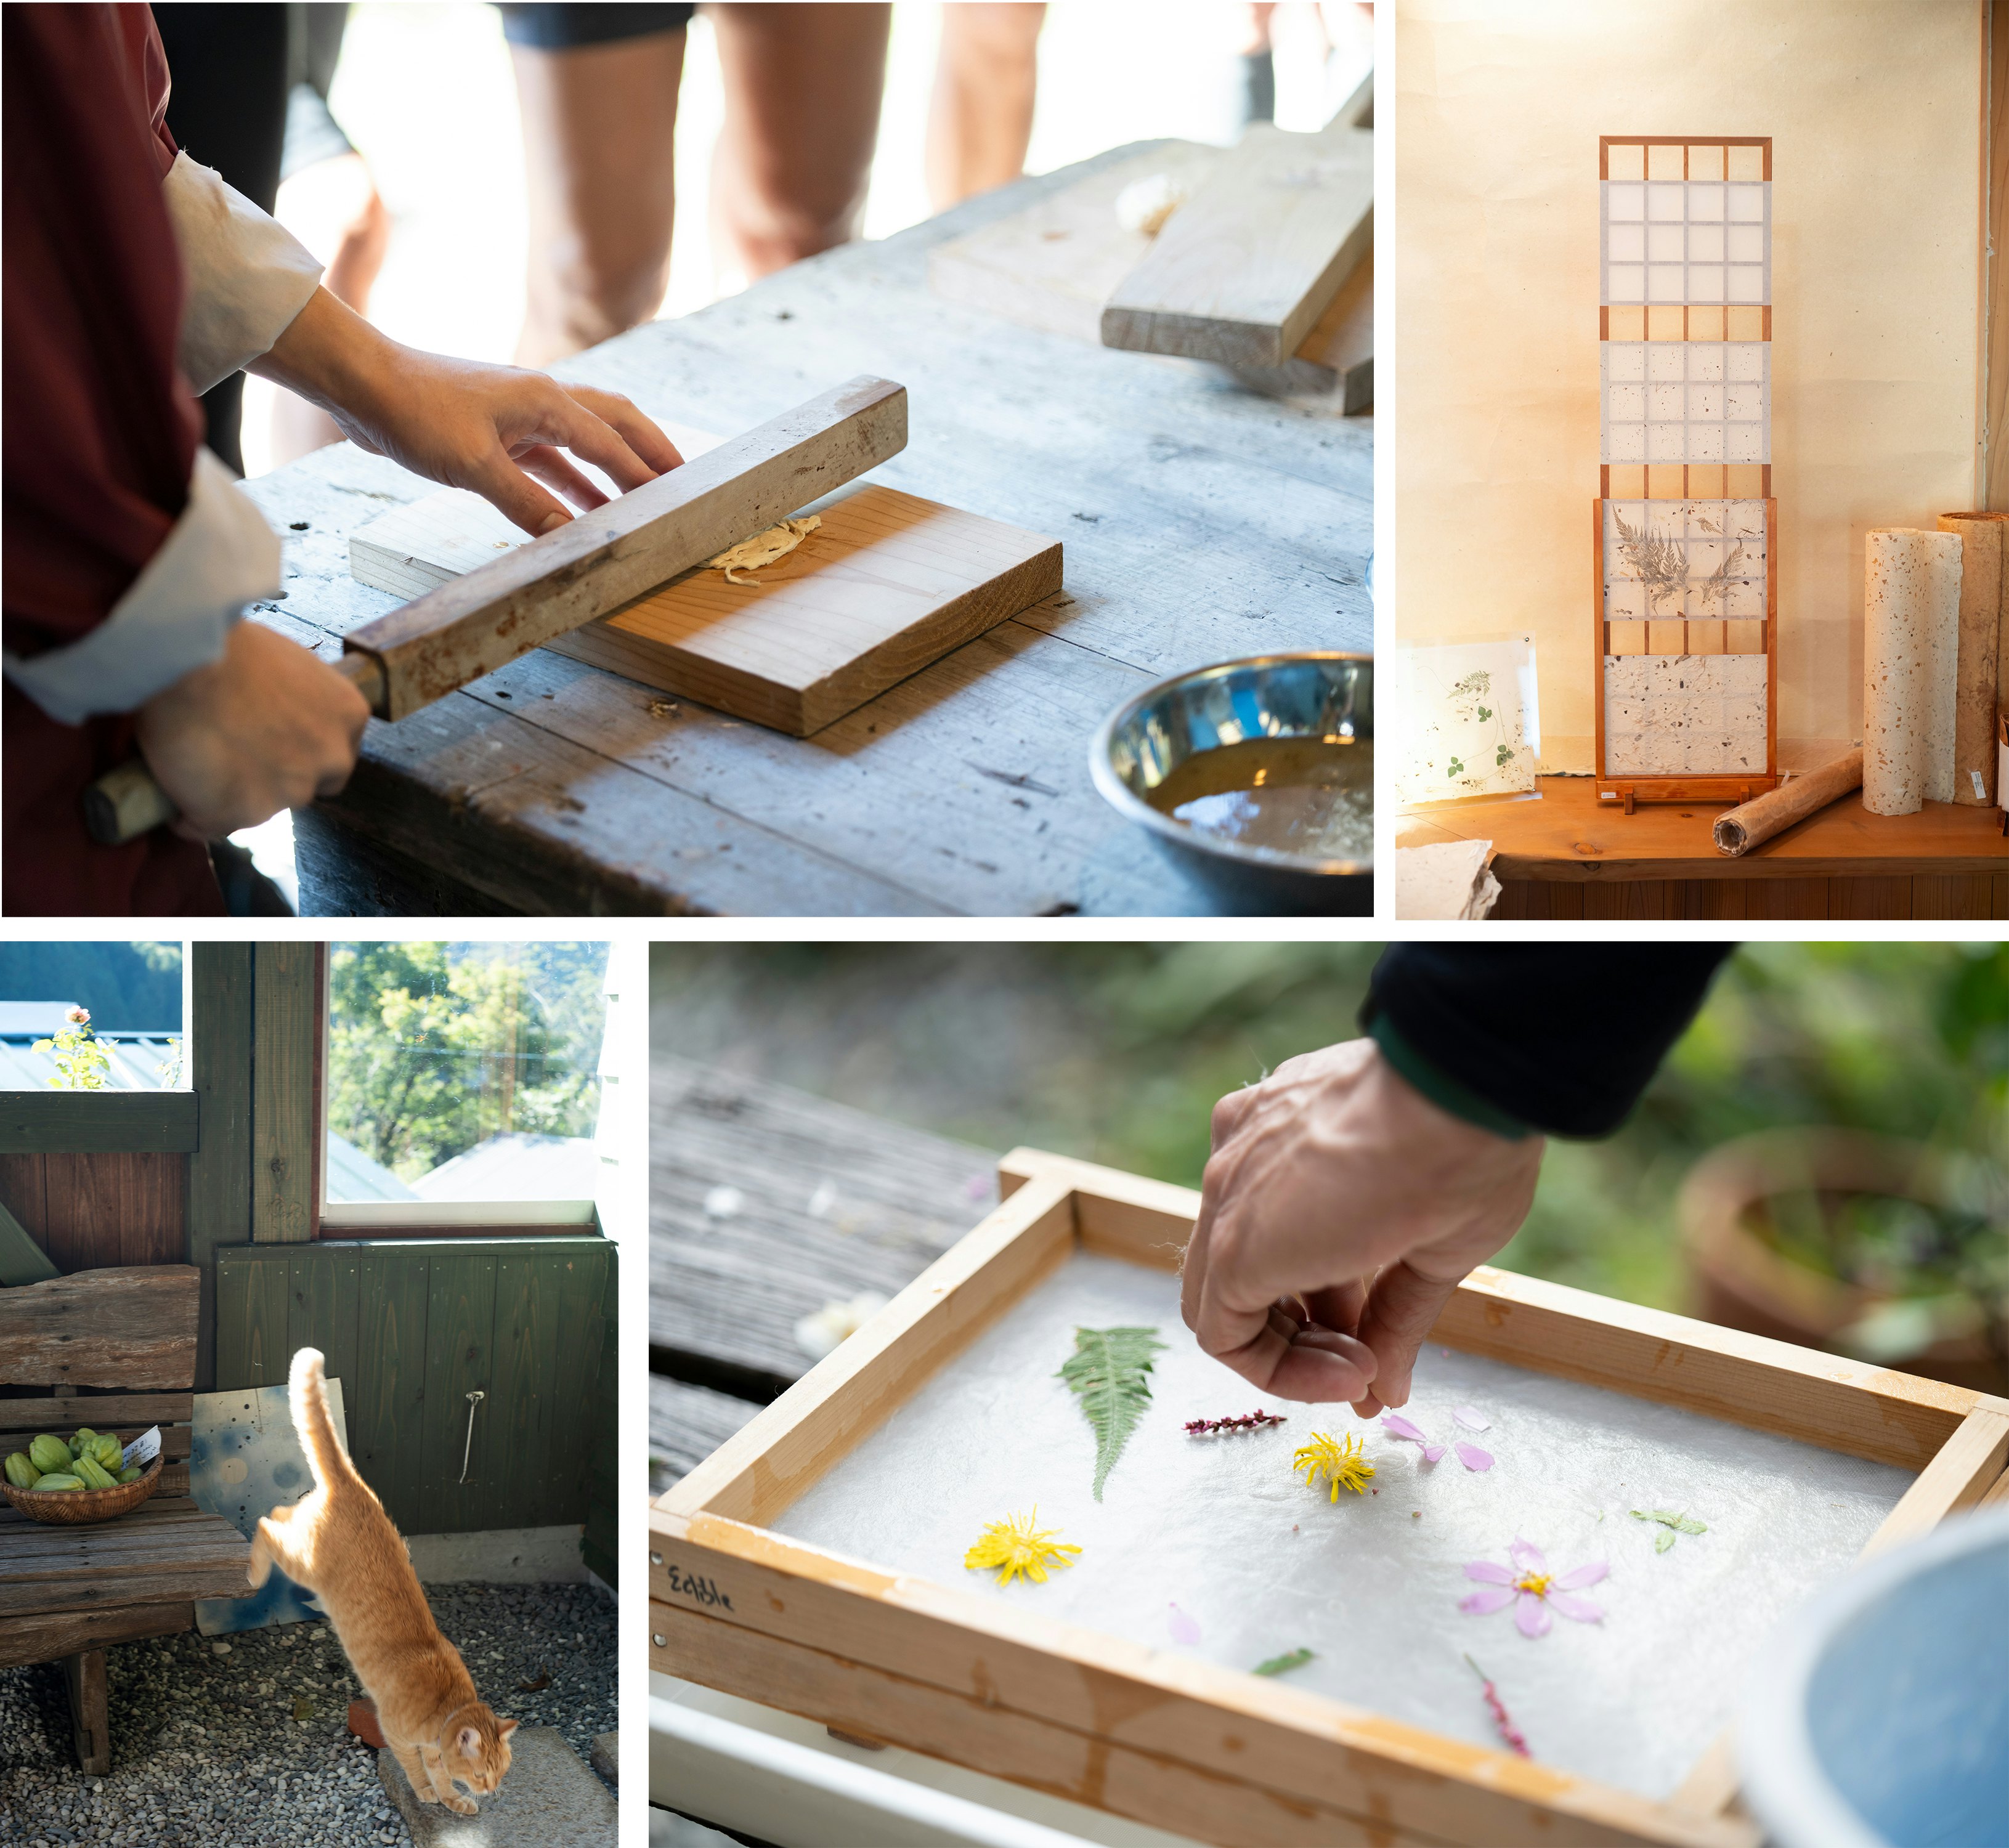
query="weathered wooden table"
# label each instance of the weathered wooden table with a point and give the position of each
(1201, 521)
(1570, 856)
(765, 1204)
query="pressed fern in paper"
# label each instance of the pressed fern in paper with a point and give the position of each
(1106, 1372)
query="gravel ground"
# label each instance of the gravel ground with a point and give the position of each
(250, 1747)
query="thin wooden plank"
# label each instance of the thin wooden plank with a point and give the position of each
(865, 1702)
(686, 1423)
(1788, 899)
(514, 1439)
(460, 1333)
(325, 1286)
(833, 1202)
(386, 1418)
(816, 1420)
(581, 1340)
(1111, 1694)
(285, 1027)
(1966, 1468)
(1243, 270)
(42, 1636)
(132, 1327)
(1888, 895)
(1959, 895)
(253, 1319)
(1626, 899)
(104, 1210)
(137, 1409)
(221, 1055)
(1995, 250)
(97, 1122)
(1053, 264)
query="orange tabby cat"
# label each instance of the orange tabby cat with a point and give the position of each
(340, 1544)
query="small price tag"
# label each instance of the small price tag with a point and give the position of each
(143, 1450)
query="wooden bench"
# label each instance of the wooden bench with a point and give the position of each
(68, 1593)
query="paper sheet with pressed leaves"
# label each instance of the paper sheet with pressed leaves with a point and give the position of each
(1876, 284)
(1222, 1529)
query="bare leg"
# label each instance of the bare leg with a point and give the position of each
(981, 117)
(336, 196)
(600, 156)
(803, 86)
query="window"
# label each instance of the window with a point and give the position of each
(462, 1083)
(92, 1016)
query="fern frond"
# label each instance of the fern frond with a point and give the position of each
(1106, 1373)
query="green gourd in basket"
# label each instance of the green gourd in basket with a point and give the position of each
(88, 1460)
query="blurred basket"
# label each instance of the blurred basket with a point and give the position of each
(82, 1507)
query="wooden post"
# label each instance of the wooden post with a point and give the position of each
(90, 1715)
(286, 1001)
(218, 1033)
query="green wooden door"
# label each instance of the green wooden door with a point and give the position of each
(410, 1327)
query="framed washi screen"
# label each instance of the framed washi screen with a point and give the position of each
(1685, 530)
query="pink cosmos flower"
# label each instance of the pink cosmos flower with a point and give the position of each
(1529, 1580)
(1470, 1455)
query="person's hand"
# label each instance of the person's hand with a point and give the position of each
(1340, 1209)
(489, 428)
(268, 727)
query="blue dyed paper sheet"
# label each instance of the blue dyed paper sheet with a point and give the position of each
(245, 1460)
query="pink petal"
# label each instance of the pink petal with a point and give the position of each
(1527, 1557)
(1473, 1457)
(1486, 1570)
(1581, 1609)
(1433, 1451)
(1398, 1426)
(1494, 1598)
(1583, 1575)
(1532, 1616)
(1183, 1629)
(1471, 1420)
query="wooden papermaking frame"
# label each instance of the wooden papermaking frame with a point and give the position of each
(1202, 1750)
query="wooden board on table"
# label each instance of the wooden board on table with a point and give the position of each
(888, 584)
(1243, 271)
(130, 1325)
(1055, 266)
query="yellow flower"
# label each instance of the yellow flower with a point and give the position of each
(1020, 1548)
(1341, 1459)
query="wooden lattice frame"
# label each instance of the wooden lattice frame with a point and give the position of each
(1209, 1752)
(1686, 481)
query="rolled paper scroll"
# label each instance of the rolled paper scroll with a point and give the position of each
(1910, 608)
(1772, 813)
(1980, 684)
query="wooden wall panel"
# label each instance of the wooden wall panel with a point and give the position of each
(410, 1329)
(285, 1163)
(1995, 256)
(93, 1211)
(219, 1173)
(21, 1192)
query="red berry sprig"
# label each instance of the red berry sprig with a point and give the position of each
(1508, 1731)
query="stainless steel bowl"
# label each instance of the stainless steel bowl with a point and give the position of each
(1312, 694)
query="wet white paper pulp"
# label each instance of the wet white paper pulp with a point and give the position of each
(1220, 1527)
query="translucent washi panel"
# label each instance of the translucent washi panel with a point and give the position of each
(1686, 401)
(1693, 715)
(1671, 559)
(1679, 242)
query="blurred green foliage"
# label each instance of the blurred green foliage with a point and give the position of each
(1117, 1052)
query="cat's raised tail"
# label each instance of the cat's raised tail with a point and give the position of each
(307, 1391)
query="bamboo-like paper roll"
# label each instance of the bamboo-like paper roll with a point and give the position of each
(1911, 610)
(1977, 689)
(1775, 810)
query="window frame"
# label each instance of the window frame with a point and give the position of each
(426, 1219)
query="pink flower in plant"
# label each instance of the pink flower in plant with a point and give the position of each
(1529, 1581)
(78, 1017)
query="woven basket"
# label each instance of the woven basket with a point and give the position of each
(84, 1507)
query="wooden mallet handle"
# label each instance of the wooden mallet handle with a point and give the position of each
(124, 803)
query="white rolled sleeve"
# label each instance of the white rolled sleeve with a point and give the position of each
(175, 616)
(247, 275)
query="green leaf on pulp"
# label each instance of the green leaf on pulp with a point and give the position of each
(1282, 1665)
(1106, 1373)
